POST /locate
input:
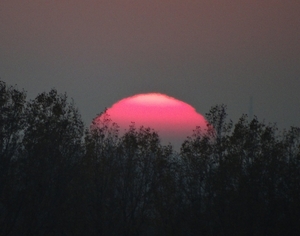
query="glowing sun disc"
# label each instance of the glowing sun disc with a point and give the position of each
(173, 119)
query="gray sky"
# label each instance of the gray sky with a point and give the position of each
(202, 52)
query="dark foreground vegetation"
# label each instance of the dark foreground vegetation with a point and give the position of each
(56, 178)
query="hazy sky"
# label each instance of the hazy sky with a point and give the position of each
(201, 52)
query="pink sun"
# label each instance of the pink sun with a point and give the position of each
(173, 119)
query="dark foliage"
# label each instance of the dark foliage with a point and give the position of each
(56, 179)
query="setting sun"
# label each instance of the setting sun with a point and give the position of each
(173, 119)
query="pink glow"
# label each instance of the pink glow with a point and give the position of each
(173, 119)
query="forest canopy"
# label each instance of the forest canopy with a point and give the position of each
(58, 177)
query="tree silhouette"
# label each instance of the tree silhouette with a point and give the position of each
(238, 178)
(12, 123)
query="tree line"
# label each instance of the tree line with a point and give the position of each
(58, 177)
